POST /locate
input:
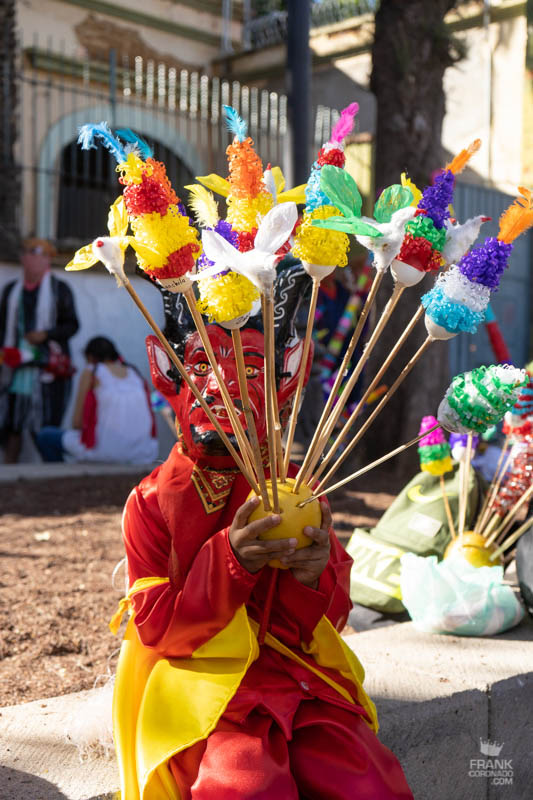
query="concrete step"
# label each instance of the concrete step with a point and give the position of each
(10, 473)
(437, 697)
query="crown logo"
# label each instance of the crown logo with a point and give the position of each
(489, 748)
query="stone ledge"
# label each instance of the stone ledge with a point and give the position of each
(436, 697)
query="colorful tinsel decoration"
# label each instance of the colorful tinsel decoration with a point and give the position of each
(460, 296)
(518, 422)
(157, 218)
(433, 449)
(517, 481)
(315, 245)
(478, 399)
(227, 294)
(248, 199)
(425, 235)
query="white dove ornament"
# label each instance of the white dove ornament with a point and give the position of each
(461, 237)
(259, 264)
(386, 247)
(111, 253)
(110, 249)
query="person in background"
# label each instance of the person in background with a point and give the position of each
(38, 317)
(112, 420)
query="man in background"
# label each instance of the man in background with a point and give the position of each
(37, 319)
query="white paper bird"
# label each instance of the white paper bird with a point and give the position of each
(110, 250)
(386, 247)
(461, 237)
(259, 264)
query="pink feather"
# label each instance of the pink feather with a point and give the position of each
(344, 125)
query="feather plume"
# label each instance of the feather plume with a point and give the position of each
(236, 125)
(203, 206)
(88, 134)
(460, 161)
(344, 125)
(518, 217)
(143, 148)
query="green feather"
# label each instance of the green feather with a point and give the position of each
(390, 200)
(341, 189)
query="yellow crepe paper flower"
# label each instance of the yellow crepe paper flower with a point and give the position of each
(163, 235)
(321, 246)
(226, 297)
(245, 214)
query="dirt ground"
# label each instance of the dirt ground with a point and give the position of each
(59, 543)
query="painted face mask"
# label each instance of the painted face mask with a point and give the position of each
(198, 436)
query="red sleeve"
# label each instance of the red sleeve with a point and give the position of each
(303, 607)
(179, 616)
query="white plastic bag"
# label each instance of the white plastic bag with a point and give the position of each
(452, 596)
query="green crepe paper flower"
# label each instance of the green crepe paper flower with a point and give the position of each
(481, 397)
(423, 226)
(433, 452)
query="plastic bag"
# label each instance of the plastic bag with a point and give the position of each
(452, 596)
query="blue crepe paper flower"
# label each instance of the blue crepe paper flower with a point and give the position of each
(452, 316)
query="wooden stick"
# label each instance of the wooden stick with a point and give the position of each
(236, 424)
(277, 424)
(494, 486)
(347, 389)
(361, 404)
(503, 530)
(267, 302)
(368, 467)
(523, 499)
(190, 383)
(301, 375)
(494, 521)
(381, 405)
(512, 539)
(369, 302)
(447, 507)
(463, 487)
(248, 414)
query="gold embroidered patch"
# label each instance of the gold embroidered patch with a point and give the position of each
(213, 486)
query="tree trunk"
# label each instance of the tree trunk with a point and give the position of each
(9, 173)
(410, 54)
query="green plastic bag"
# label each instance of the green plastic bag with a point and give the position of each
(454, 597)
(415, 522)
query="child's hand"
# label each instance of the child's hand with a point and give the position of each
(251, 552)
(308, 563)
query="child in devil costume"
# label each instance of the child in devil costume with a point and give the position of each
(208, 703)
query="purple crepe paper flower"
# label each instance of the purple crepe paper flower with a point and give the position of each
(462, 439)
(486, 264)
(437, 197)
(226, 231)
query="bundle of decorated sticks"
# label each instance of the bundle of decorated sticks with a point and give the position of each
(234, 268)
(473, 403)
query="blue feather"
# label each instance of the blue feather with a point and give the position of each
(143, 147)
(88, 134)
(236, 124)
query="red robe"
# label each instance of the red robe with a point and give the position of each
(271, 741)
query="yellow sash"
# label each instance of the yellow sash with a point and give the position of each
(162, 706)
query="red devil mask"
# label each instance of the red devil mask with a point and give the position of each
(199, 437)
